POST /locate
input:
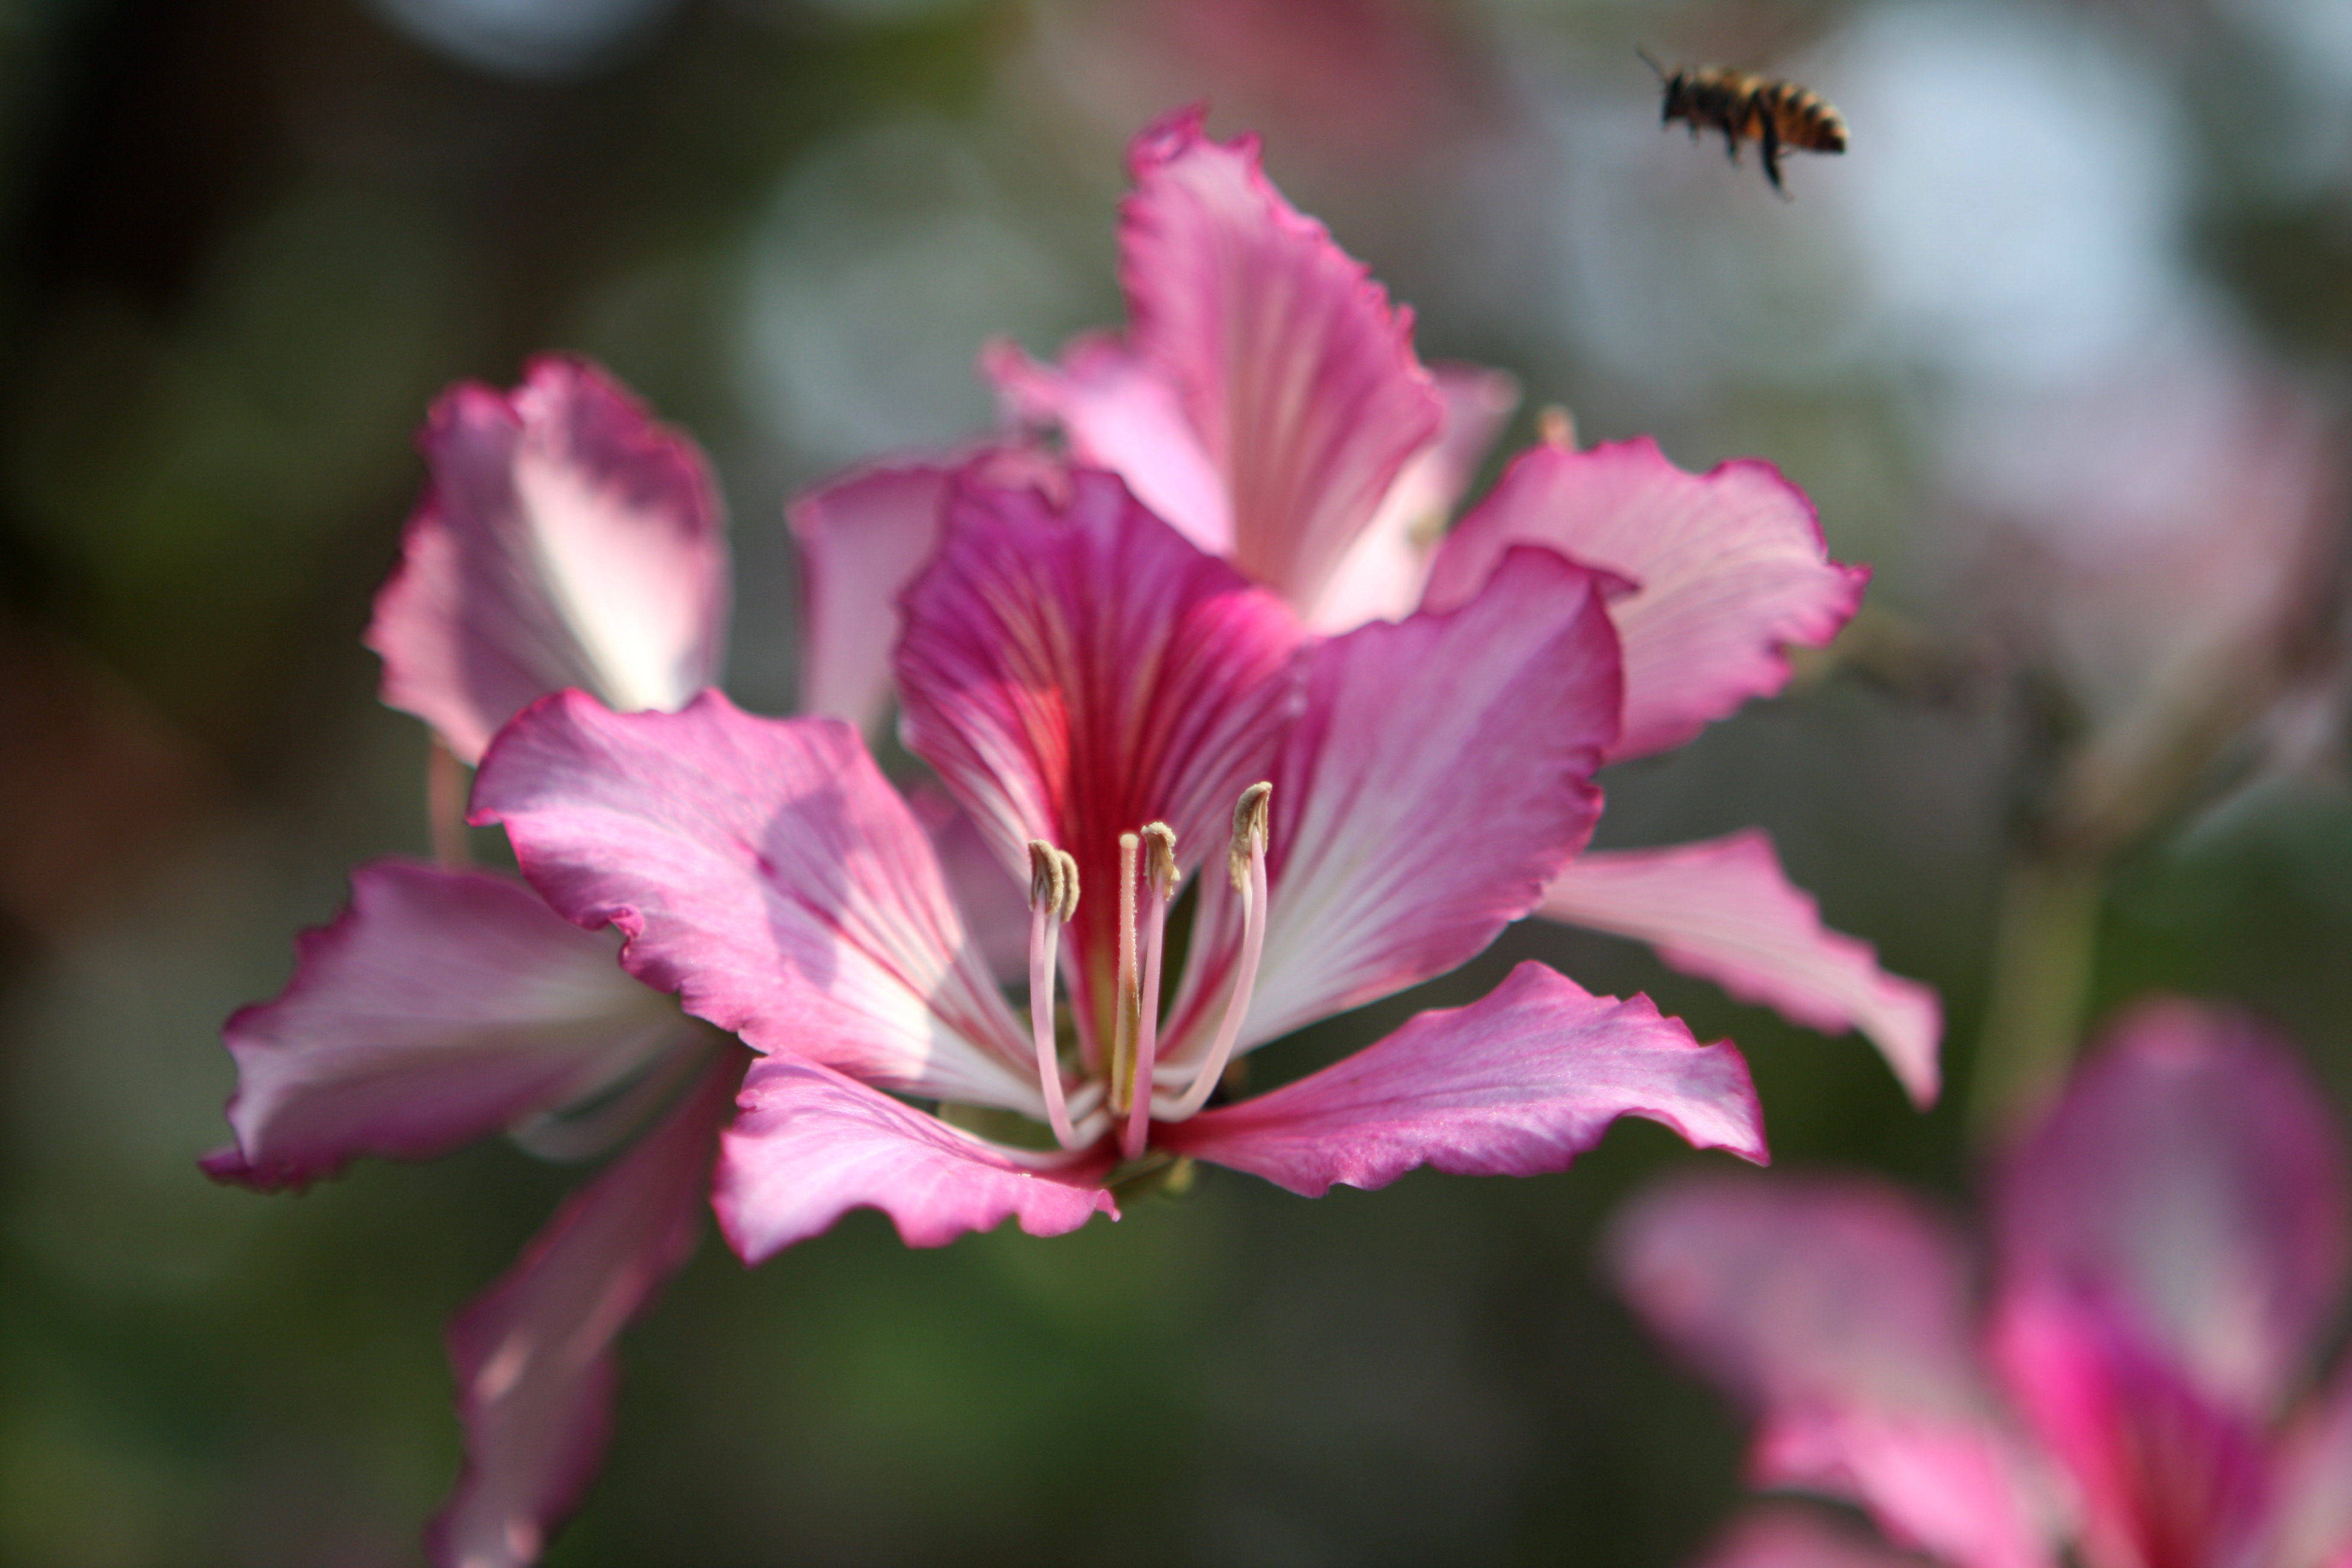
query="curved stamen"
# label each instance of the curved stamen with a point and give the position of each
(1246, 866)
(1160, 875)
(1052, 898)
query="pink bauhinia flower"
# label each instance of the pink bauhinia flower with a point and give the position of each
(564, 540)
(1266, 401)
(2169, 1249)
(1119, 714)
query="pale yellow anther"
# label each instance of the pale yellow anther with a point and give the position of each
(1053, 880)
(1557, 427)
(1249, 832)
(1159, 858)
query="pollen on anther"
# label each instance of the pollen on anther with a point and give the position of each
(1249, 832)
(1159, 858)
(1053, 880)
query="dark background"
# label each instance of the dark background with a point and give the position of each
(2034, 333)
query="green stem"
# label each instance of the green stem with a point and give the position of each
(2042, 955)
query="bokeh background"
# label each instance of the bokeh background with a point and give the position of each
(2061, 348)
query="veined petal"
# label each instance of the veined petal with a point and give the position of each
(1121, 413)
(811, 1144)
(863, 537)
(1723, 910)
(995, 906)
(565, 540)
(1840, 1312)
(1076, 673)
(1798, 1535)
(438, 1008)
(1516, 1085)
(1730, 567)
(1437, 779)
(1289, 362)
(1382, 577)
(764, 870)
(533, 1354)
(2192, 1182)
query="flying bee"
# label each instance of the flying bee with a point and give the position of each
(1775, 114)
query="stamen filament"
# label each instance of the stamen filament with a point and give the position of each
(1247, 868)
(1127, 992)
(1159, 875)
(1052, 898)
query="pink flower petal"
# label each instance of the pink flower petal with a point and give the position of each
(1290, 362)
(1728, 567)
(1382, 575)
(565, 540)
(533, 1354)
(994, 905)
(764, 870)
(1723, 910)
(2192, 1180)
(2162, 1472)
(1120, 413)
(1437, 782)
(1076, 673)
(1516, 1085)
(1795, 1535)
(439, 1006)
(1839, 1312)
(811, 1145)
(863, 537)
(2313, 1528)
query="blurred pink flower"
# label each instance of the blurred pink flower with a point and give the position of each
(2169, 1250)
(564, 539)
(1266, 401)
(1110, 706)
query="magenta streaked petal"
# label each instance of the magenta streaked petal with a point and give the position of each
(1516, 1085)
(2162, 1472)
(2192, 1182)
(1436, 781)
(533, 1354)
(863, 537)
(1382, 577)
(764, 870)
(1076, 672)
(439, 1006)
(565, 540)
(1839, 1312)
(1798, 1535)
(1730, 567)
(1723, 910)
(1120, 413)
(1289, 362)
(810, 1145)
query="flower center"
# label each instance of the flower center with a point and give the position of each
(1128, 1098)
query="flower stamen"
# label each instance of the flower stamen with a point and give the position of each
(1160, 877)
(1052, 900)
(1128, 991)
(1246, 865)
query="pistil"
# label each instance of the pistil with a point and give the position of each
(1052, 900)
(1160, 883)
(1245, 864)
